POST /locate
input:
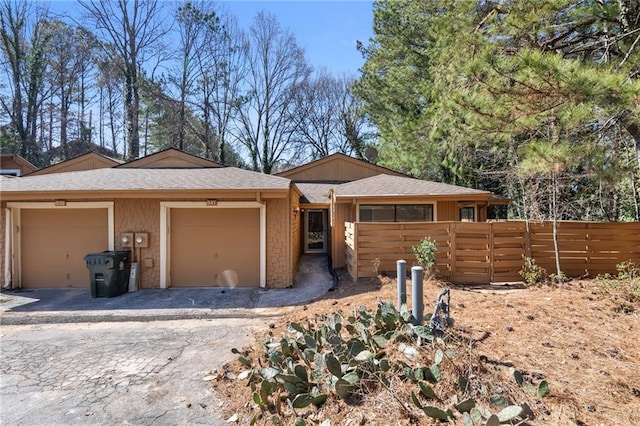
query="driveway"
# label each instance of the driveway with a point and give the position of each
(142, 358)
(117, 372)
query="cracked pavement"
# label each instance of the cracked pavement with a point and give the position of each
(138, 373)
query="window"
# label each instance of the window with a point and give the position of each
(396, 213)
(377, 213)
(467, 214)
(10, 172)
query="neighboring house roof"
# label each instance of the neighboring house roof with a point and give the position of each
(335, 167)
(76, 147)
(393, 186)
(87, 161)
(315, 193)
(97, 182)
(170, 158)
(15, 161)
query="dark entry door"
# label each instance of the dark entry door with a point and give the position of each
(315, 231)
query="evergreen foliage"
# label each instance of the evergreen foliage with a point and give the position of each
(513, 97)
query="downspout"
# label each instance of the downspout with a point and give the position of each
(7, 249)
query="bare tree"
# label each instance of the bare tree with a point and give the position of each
(223, 70)
(355, 131)
(70, 60)
(318, 104)
(110, 84)
(330, 118)
(23, 45)
(197, 25)
(276, 69)
(130, 28)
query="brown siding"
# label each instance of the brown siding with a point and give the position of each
(89, 162)
(447, 211)
(341, 213)
(16, 162)
(278, 237)
(141, 215)
(336, 169)
(171, 158)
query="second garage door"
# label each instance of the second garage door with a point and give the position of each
(215, 247)
(54, 243)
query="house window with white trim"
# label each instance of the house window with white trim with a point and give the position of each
(396, 213)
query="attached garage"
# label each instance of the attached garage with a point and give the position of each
(202, 226)
(213, 246)
(50, 242)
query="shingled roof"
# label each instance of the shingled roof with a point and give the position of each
(118, 179)
(388, 186)
(315, 193)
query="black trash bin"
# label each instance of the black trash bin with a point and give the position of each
(109, 272)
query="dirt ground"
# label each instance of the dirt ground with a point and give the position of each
(583, 342)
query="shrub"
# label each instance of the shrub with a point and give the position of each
(425, 252)
(532, 273)
(625, 286)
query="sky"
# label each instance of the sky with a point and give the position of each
(327, 30)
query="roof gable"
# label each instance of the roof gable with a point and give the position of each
(335, 168)
(88, 161)
(15, 161)
(398, 186)
(170, 158)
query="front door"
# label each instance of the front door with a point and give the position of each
(315, 231)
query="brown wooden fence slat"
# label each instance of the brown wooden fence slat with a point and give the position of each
(482, 252)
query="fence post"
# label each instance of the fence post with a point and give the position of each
(401, 266)
(416, 292)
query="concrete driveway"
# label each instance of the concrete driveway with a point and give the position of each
(141, 358)
(116, 372)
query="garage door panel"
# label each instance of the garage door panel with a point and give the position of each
(215, 247)
(54, 243)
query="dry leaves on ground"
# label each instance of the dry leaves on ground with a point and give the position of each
(574, 336)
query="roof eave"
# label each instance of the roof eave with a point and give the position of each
(249, 193)
(475, 196)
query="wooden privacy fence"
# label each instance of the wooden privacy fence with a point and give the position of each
(484, 252)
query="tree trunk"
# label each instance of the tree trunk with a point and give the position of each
(554, 202)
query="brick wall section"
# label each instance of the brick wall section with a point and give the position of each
(141, 215)
(3, 225)
(278, 260)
